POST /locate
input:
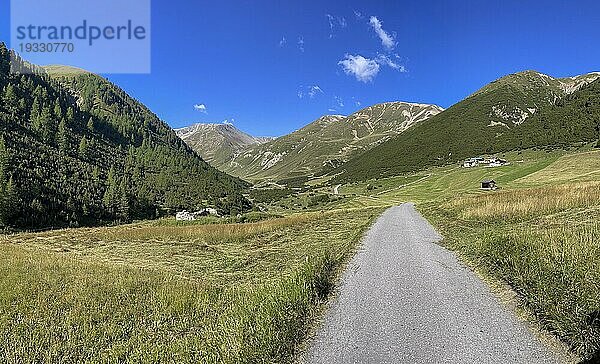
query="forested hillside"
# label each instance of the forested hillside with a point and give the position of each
(523, 110)
(75, 149)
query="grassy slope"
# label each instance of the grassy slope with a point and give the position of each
(152, 292)
(325, 143)
(472, 127)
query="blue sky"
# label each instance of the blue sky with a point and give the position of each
(274, 66)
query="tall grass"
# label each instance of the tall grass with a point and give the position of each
(543, 242)
(60, 310)
(527, 203)
(82, 304)
(556, 272)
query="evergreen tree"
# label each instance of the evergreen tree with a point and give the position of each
(34, 115)
(124, 201)
(11, 102)
(7, 189)
(57, 110)
(83, 148)
(70, 115)
(62, 138)
(111, 194)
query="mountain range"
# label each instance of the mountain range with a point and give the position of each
(522, 110)
(218, 143)
(315, 149)
(76, 149)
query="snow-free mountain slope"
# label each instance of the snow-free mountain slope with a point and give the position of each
(521, 110)
(217, 143)
(327, 142)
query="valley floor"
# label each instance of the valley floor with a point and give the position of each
(231, 293)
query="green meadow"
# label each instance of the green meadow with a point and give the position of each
(248, 289)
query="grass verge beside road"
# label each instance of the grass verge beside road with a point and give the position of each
(543, 242)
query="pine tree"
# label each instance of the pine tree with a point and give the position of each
(7, 190)
(110, 195)
(46, 124)
(9, 203)
(70, 115)
(62, 138)
(83, 148)
(124, 201)
(90, 125)
(11, 102)
(57, 110)
(34, 114)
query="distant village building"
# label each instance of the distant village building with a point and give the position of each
(488, 162)
(470, 163)
(191, 216)
(488, 184)
(185, 216)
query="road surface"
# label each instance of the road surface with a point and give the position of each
(405, 299)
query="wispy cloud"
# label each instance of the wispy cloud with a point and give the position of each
(282, 42)
(314, 90)
(201, 108)
(309, 91)
(382, 59)
(358, 15)
(339, 101)
(386, 39)
(301, 43)
(364, 69)
(335, 22)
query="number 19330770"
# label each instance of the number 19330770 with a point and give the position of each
(47, 47)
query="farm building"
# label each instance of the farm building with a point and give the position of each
(488, 162)
(469, 163)
(191, 216)
(488, 184)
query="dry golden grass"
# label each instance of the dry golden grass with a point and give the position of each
(235, 293)
(526, 203)
(545, 243)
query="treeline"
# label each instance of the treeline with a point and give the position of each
(75, 149)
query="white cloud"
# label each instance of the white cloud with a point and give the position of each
(314, 90)
(201, 108)
(364, 69)
(339, 101)
(386, 39)
(301, 43)
(358, 15)
(332, 110)
(310, 91)
(282, 42)
(385, 60)
(334, 22)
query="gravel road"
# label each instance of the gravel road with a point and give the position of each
(405, 299)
